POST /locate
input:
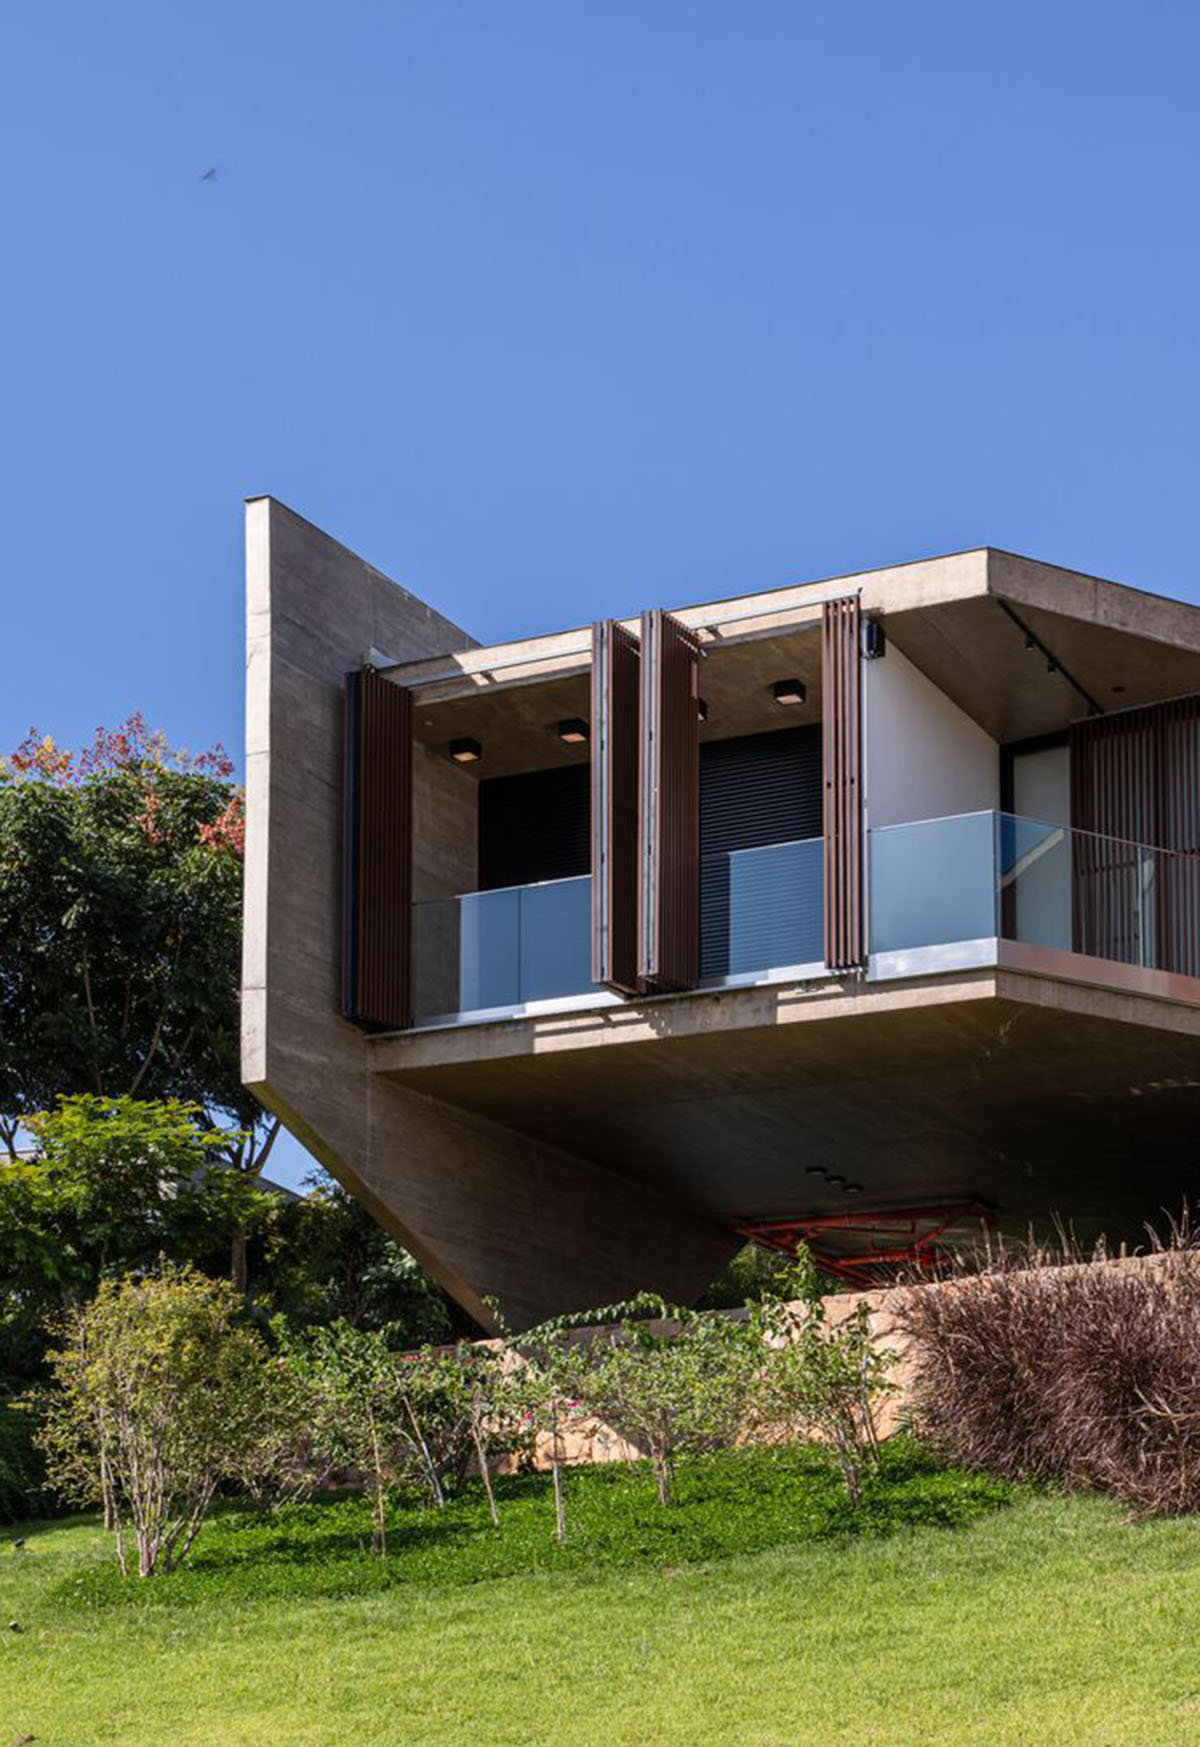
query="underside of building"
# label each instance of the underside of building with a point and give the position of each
(864, 912)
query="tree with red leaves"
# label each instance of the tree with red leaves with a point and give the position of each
(120, 928)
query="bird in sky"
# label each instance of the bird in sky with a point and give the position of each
(210, 175)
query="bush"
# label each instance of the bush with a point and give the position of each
(1088, 1375)
(22, 1471)
(160, 1394)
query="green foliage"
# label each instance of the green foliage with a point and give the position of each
(672, 1388)
(726, 1503)
(753, 1274)
(160, 1394)
(117, 1184)
(822, 1378)
(371, 1411)
(22, 1470)
(120, 926)
(331, 1260)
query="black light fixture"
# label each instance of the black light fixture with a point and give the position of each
(854, 1188)
(814, 1170)
(702, 709)
(465, 751)
(573, 732)
(835, 1182)
(789, 691)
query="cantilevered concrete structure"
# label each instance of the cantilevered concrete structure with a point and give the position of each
(854, 909)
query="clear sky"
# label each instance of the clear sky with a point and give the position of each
(556, 308)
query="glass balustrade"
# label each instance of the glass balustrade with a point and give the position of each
(937, 882)
(932, 882)
(502, 949)
(762, 909)
(1101, 896)
(992, 875)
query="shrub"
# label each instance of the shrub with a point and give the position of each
(673, 1387)
(160, 1394)
(821, 1379)
(1088, 1375)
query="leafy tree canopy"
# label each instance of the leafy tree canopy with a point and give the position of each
(120, 926)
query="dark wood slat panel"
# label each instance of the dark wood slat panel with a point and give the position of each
(669, 839)
(1135, 780)
(616, 713)
(845, 943)
(377, 853)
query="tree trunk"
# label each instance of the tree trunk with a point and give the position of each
(238, 1266)
(481, 1458)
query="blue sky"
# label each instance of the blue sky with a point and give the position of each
(552, 308)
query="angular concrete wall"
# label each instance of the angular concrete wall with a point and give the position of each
(489, 1212)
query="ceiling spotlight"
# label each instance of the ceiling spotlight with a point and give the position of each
(465, 751)
(835, 1182)
(854, 1188)
(1029, 640)
(789, 691)
(702, 709)
(814, 1170)
(573, 732)
(1052, 667)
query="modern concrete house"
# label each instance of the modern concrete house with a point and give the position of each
(857, 910)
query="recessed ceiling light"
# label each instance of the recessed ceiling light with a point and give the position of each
(702, 709)
(789, 691)
(573, 732)
(814, 1170)
(465, 751)
(835, 1182)
(854, 1188)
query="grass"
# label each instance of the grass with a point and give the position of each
(1049, 1621)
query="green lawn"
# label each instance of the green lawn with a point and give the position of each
(1050, 1620)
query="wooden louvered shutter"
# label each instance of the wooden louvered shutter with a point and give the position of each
(1135, 786)
(845, 944)
(377, 853)
(669, 839)
(616, 663)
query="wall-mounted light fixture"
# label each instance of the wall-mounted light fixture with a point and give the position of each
(789, 691)
(573, 732)
(465, 751)
(702, 709)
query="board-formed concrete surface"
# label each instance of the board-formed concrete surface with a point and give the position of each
(492, 1213)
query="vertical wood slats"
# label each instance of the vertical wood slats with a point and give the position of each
(845, 944)
(1135, 780)
(377, 853)
(616, 714)
(669, 838)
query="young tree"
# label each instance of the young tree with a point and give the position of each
(160, 1392)
(675, 1382)
(481, 1406)
(364, 1415)
(820, 1378)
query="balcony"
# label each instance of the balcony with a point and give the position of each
(941, 894)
